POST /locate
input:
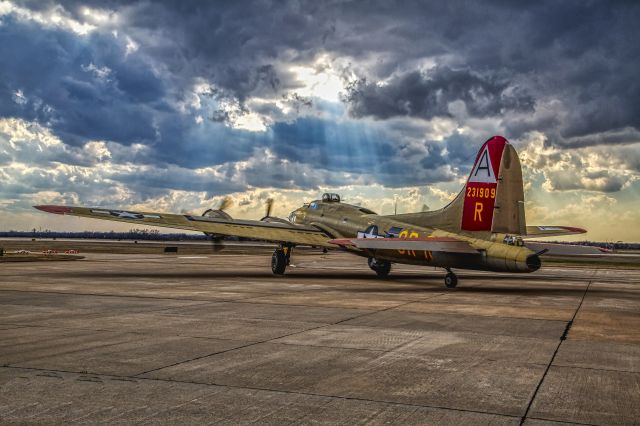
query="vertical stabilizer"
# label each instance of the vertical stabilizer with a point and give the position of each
(492, 199)
(508, 216)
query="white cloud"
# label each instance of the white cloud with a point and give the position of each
(101, 73)
(56, 16)
(131, 46)
(319, 79)
(29, 143)
(594, 168)
(249, 121)
(19, 98)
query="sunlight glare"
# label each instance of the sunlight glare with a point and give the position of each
(319, 80)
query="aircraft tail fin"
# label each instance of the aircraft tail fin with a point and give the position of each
(492, 199)
(494, 194)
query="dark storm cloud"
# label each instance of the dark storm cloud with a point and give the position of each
(428, 95)
(87, 88)
(498, 57)
(580, 50)
(566, 69)
(56, 72)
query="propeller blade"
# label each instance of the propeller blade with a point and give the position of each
(217, 243)
(268, 207)
(226, 203)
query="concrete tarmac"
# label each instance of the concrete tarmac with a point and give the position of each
(201, 339)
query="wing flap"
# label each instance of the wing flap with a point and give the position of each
(442, 244)
(266, 231)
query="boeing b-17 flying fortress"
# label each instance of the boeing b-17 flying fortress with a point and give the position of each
(483, 228)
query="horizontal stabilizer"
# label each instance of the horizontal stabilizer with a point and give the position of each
(450, 245)
(552, 231)
(554, 249)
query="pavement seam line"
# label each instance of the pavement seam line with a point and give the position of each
(263, 341)
(553, 357)
(341, 397)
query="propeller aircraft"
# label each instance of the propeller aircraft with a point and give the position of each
(483, 228)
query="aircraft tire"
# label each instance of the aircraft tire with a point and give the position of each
(278, 262)
(451, 280)
(381, 267)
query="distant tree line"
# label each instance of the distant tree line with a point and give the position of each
(606, 245)
(133, 234)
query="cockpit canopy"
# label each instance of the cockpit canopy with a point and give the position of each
(330, 198)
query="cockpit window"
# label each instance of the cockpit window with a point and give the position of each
(313, 205)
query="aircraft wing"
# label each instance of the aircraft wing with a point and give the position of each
(552, 231)
(266, 231)
(444, 244)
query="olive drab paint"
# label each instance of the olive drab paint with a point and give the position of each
(481, 188)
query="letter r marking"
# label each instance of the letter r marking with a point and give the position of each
(478, 212)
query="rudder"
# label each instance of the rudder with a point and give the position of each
(493, 194)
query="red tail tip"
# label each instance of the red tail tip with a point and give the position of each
(54, 209)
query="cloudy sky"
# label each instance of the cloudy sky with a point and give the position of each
(171, 105)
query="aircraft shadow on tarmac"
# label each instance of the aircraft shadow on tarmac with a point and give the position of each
(521, 290)
(323, 275)
(431, 282)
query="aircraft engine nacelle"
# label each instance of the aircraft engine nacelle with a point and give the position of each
(267, 214)
(217, 214)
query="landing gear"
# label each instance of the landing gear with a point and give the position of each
(280, 259)
(381, 267)
(451, 279)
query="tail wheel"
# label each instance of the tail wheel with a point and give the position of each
(381, 267)
(451, 280)
(279, 262)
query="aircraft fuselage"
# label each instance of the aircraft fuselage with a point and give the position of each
(342, 220)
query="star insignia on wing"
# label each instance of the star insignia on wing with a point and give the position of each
(127, 215)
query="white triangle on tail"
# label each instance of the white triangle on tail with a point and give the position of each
(483, 169)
